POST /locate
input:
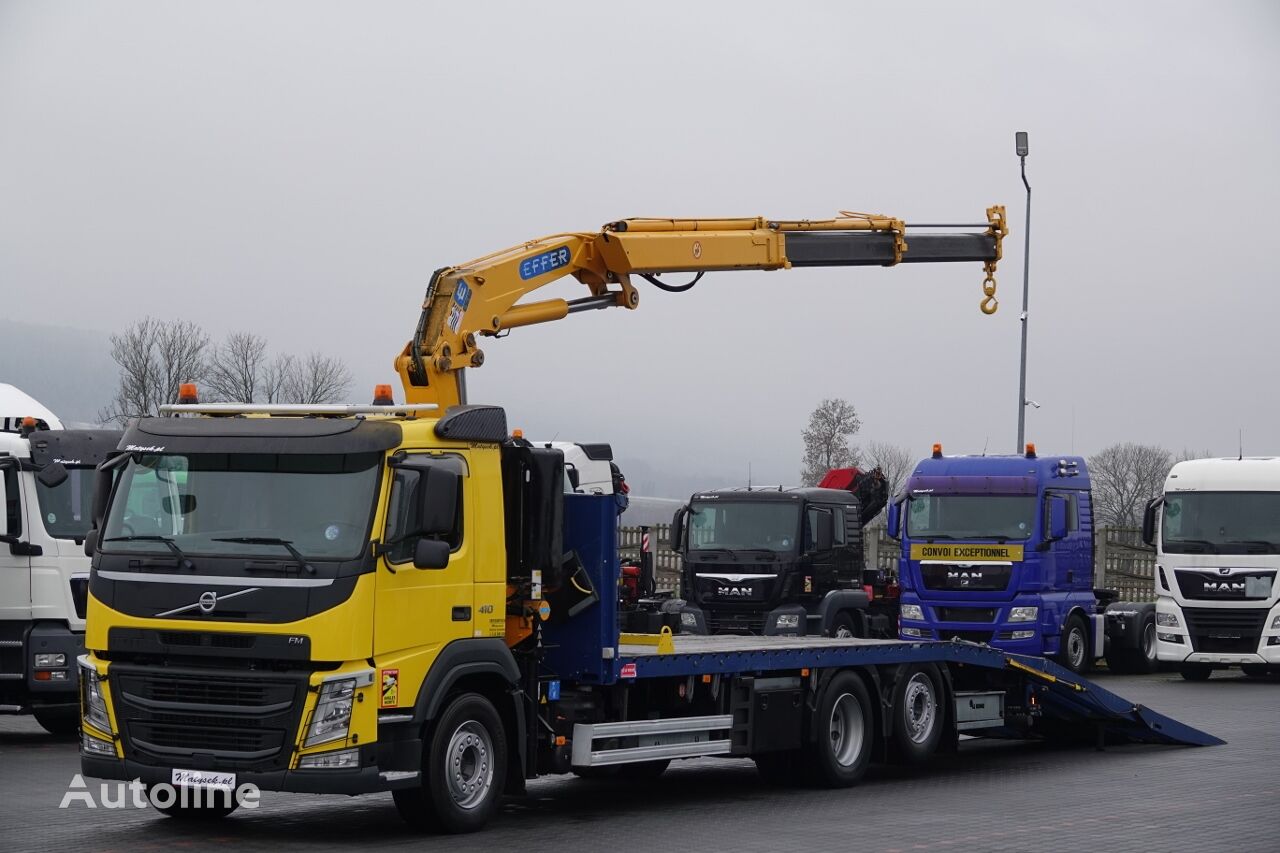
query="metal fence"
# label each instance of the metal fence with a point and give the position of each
(1122, 562)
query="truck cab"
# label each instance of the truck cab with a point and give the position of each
(784, 561)
(1216, 530)
(46, 477)
(999, 550)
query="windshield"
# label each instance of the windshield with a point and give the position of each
(321, 505)
(744, 525)
(970, 517)
(66, 507)
(1221, 522)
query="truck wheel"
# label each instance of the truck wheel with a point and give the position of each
(463, 767)
(843, 626)
(843, 727)
(1256, 670)
(207, 805)
(1196, 671)
(1073, 653)
(58, 721)
(917, 715)
(1141, 660)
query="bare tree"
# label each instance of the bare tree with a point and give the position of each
(894, 461)
(826, 439)
(317, 379)
(155, 357)
(237, 367)
(1125, 476)
(276, 376)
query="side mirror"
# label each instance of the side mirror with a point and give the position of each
(575, 478)
(1149, 521)
(824, 537)
(677, 528)
(182, 505)
(91, 542)
(4, 507)
(52, 475)
(893, 523)
(437, 502)
(431, 554)
(103, 478)
(1057, 518)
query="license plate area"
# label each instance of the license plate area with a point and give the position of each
(209, 780)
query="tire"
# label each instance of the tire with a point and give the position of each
(464, 765)
(58, 721)
(223, 804)
(844, 626)
(1256, 670)
(1196, 671)
(1073, 653)
(918, 717)
(1141, 660)
(842, 734)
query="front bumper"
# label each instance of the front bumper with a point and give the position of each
(1262, 647)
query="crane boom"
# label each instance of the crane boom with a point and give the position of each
(481, 297)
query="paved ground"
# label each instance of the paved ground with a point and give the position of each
(1014, 797)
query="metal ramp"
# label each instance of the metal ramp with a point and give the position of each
(1075, 709)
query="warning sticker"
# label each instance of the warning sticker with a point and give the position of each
(628, 671)
(455, 317)
(390, 688)
(968, 553)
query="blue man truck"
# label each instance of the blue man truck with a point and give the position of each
(999, 550)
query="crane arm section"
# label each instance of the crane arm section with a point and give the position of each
(482, 297)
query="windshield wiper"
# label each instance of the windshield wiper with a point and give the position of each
(183, 560)
(1204, 544)
(1268, 547)
(272, 540)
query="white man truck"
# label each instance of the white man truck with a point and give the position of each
(46, 489)
(1216, 530)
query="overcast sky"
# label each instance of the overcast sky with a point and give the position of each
(299, 169)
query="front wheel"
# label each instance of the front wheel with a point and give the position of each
(1257, 670)
(843, 727)
(1073, 653)
(58, 721)
(917, 715)
(464, 765)
(1196, 671)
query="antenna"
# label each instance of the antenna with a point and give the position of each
(984, 445)
(1240, 437)
(748, 476)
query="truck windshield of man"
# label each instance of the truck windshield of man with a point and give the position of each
(744, 526)
(1222, 523)
(970, 517)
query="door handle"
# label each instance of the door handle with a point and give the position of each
(462, 614)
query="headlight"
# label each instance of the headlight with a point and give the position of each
(92, 703)
(341, 759)
(689, 620)
(788, 620)
(1024, 614)
(1170, 638)
(912, 611)
(1170, 620)
(50, 661)
(1275, 623)
(332, 717)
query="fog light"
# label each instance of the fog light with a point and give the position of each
(47, 661)
(788, 620)
(1023, 614)
(912, 632)
(342, 759)
(1022, 635)
(1170, 638)
(91, 745)
(912, 611)
(1167, 620)
(1273, 641)
(50, 675)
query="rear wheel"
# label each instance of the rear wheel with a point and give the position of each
(1196, 671)
(58, 721)
(844, 626)
(1143, 658)
(843, 725)
(917, 715)
(1073, 653)
(464, 765)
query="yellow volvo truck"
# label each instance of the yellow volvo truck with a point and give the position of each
(352, 599)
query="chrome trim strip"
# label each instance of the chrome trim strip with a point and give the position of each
(213, 580)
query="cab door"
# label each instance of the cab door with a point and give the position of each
(418, 611)
(15, 562)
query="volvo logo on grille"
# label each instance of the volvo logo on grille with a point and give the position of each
(207, 602)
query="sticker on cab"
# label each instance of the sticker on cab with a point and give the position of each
(969, 553)
(390, 688)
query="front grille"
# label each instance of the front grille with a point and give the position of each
(194, 639)
(949, 576)
(735, 623)
(204, 721)
(966, 614)
(971, 636)
(80, 596)
(1225, 630)
(1215, 586)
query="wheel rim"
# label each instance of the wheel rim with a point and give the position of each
(469, 765)
(844, 632)
(1075, 648)
(846, 730)
(919, 708)
(1149, 642)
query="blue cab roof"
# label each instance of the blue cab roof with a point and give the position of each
(997, 475)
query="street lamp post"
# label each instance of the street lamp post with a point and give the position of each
(1020, 145)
